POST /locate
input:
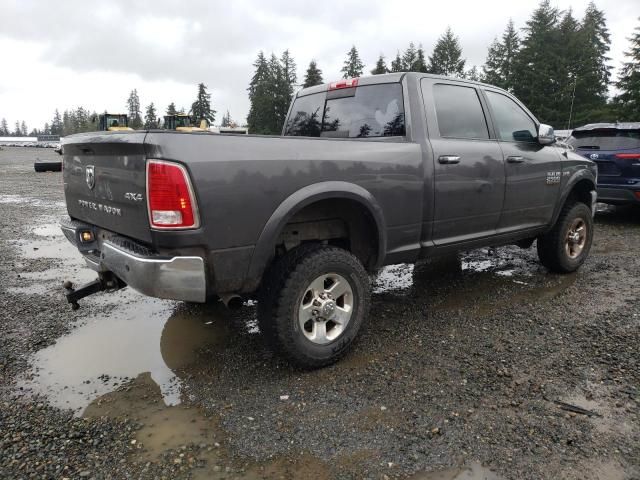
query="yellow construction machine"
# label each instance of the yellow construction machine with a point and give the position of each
(183, 123)
(114, 122)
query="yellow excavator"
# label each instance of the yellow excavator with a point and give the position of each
(183, 123)
(114, 122)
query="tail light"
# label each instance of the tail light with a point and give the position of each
(170, 198)
(346, 83)
(628, 156)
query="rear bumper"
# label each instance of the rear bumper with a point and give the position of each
(176, 278)
(618, 195)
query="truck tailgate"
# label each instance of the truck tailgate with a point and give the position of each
(104, 181)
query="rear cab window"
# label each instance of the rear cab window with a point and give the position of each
(459, 112)
(605, 139)
(365, 111)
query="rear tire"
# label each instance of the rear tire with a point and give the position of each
(566, 246)
(312, 303)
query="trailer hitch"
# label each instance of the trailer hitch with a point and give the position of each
(106, 282)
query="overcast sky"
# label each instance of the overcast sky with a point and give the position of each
(81, 53)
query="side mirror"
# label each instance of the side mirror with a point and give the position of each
(546, 135)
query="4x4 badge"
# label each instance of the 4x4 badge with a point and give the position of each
(90, 176)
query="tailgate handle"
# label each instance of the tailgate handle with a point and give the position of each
(449, 159)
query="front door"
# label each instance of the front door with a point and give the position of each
(469, 177)
(533, 170)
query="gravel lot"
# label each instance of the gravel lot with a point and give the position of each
(458, 373)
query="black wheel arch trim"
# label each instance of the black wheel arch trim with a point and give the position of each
(581, 175)
(264, 249)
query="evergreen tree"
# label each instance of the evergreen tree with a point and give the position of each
(18, 131)
(353, 66)
(539, 64)
(499, 68)
(47, 129)
(313, 76)
(570, 71)
(286, 81)
(420, 65)
(150, 117)
(4, 128)
(259, 97)
(628, 100)
(201, 108)
(133, 105)
(592, 74)
(56, 124)
(23, 129)
(171, 109)
(381, 66)
(473, 74)
(397, 65)
(409, 58)
(446, 58)
(226, 120)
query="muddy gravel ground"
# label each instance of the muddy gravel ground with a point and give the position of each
(478, 366)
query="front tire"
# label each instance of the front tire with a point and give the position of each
(566, 246)
(312, 304)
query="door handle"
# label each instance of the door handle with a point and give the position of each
(448, 159)
(515, 159)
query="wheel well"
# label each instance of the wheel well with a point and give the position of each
(581, 192)
(342, 222)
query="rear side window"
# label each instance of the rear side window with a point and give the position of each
(606, 139)
(372, 111)
(459, 112)
(512, 122)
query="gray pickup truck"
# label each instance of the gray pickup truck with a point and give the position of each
(368, 172)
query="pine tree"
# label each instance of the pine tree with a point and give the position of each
(570, 71)
(473, 74)
(446, 58)
(381, 66)
(313, 76)
(201, 108)
(628, 100)
(593, 74)
(47, 129)
(538, 65)
(498, 69)
(150, 117)
(4, 128)
(56, 124)
(397, 65)
(409, 58)
(23, 129)
(18, 131)
(420, 65)
(226, 120)
(353, 66)
(171, 109)
(133, 105)
(259, 97)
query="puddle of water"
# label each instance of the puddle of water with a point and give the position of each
(475, 471)
(56, 247)
(149, 335)
(394, 277)
(48, 230)
(35, 202)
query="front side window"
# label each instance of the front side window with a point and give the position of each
(372, 111)
(512, 123)
(459, 112)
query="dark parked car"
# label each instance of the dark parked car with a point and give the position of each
(368, 172)
(615, 147)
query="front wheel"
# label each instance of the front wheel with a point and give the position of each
(566, 246)
(312, 304)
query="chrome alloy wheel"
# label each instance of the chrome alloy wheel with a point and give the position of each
(326, 308)
(576, 238)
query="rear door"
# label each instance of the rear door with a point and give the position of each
(468, 166)
(533, 171)
(105, 180)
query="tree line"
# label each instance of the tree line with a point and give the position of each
(556, 64)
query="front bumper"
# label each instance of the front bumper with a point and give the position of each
(176, 278)
(618, 195)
